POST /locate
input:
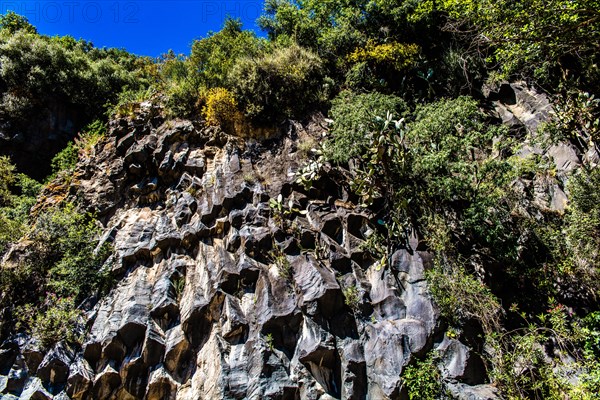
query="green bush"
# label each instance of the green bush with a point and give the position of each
(574, 241)
(213, 57)
(7, 179)
(66, 159)
(61, 268)
(354, 115)
(67, 241)
(423, 380)
(17, 195)
(11, 22)
(461, 297)
(40, 72)
(57, 319)
(284, 83)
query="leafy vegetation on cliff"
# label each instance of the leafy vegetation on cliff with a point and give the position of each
(403, 82)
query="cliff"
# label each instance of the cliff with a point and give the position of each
(233, 280)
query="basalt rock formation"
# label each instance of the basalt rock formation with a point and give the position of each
(233, 281)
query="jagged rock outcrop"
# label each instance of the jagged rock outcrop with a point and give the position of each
(221, 295)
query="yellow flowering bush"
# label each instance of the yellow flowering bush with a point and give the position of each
(220, 107)
(399, 55)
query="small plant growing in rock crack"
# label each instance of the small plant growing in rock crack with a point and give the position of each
(282, 211)
(311, 171)
(249, 178)
(306, 147)
(270, 341)
(192, 190)
(178, 287)
(352, 297)
(60, 320)
(320, 251)
(283, 265)
(375, 245)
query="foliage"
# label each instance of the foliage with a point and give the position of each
(578, 117)
(352, 297)
(364, 44)
(61, 268)
(547, 40)
(220, 108)
(539, 360)
(40, 74)
(7, 179)
(213, 57)
(17, 196)
(178, 285)
(380, 66)
(461, 297)
(280, 260)
(575, 243)
(66, 159)
(423, 379)
(330, 27)
(312, 170)
(90, 136)
(75, 269)
(188, 81)
(12, 22)
(54, 321)
(286, 82)
(270, 341)
(128, 101)
(397, 55)
(442, 176)
(354, 117)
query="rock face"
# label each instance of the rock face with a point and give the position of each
(234, 282)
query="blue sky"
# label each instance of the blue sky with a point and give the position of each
(144, 27)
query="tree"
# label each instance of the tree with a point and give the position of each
(12, 22)
(550, 40)
(213, 57)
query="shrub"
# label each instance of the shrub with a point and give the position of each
(73, 260)
(423, 380)
(398, 56)
(57, 319)
(14, 206)
(213, 57)
(354, 117)
(284, 83)
(40, 73)
(66, 159)
(184, 97)
(90, 136)
(461, 297)
(129, 100)
(11, 22)
(220, 108)
(7, 179)
(575, 240)
(352, 297)
(61, 268)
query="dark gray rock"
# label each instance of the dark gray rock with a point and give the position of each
(220, 295)
(459, 363)
(461, 391)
